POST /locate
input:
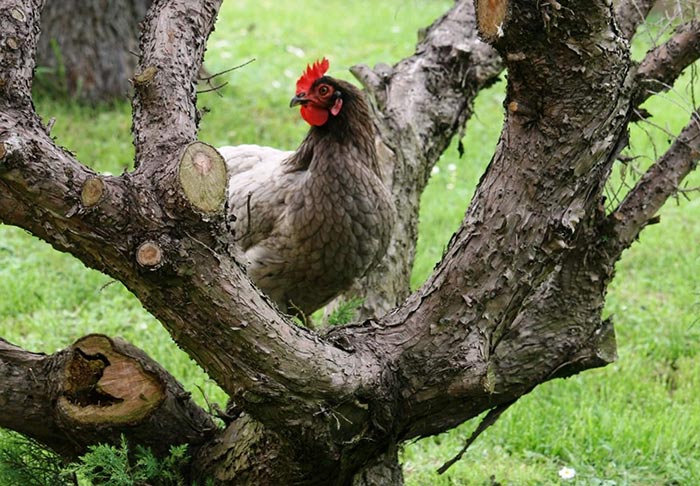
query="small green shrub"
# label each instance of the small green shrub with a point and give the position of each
(110, 465)
(24, 462)
(344, 313)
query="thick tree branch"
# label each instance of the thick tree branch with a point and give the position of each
(94, 391)
(420, 104)
(270, 366)
(20, 18)
(662, 65)
(660, 182)
(532, 218)
(630, 14)
(164, 107)
(516, 300)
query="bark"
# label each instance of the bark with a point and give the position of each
(662, 65)
(95, 391)
(630, 14)
(660, 182)
(450, 61)
(516, 301)
(88, 49)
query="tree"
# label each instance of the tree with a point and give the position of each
(93, 59)
(516, 300)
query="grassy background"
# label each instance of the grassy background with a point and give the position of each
(636, 422)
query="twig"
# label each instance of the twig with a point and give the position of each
(660, 182)
(247, 229)
(213, 88)
(487, 422)
(50, 124)
(209, 78)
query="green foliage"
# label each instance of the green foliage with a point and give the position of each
(23, 462)
(52, 81)
(344, 313)
(635, 422)
(109, 465)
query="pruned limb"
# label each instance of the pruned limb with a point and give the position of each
(662, 65)
(492, 16)
(630, 14)
(202, 177)
(660, 182)
(149, 254)
(94, 391)
(92, 191)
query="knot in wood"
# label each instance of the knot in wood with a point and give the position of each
(17, 14)
(13, 43)
(145, 77)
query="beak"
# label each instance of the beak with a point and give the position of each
(298, 100)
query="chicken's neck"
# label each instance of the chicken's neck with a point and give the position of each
(345, 139)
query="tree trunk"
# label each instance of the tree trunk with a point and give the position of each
(516, 300)
(88, 49)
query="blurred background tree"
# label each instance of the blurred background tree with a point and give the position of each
(88, 48)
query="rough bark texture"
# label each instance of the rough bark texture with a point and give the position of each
(435, 90)
(94, 391)
(515, 302)
(88, 49)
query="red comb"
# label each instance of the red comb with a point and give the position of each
(312, 73)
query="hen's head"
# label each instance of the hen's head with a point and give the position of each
(320, 96)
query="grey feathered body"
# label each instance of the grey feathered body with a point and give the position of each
(312, 221)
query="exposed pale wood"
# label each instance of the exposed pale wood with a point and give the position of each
(92, 191)
(492, 16)
(102, 386)
(94, 391)
(149, 254)
(202, 176)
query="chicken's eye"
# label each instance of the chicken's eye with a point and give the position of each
(323, 90)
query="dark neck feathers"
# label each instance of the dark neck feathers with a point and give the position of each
(351, 129)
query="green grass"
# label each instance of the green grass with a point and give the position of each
(635, 422)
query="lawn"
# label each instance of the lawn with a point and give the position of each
(635, 422)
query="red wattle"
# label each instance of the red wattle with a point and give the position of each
(313, 115)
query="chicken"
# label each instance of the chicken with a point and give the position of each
(312, 221)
